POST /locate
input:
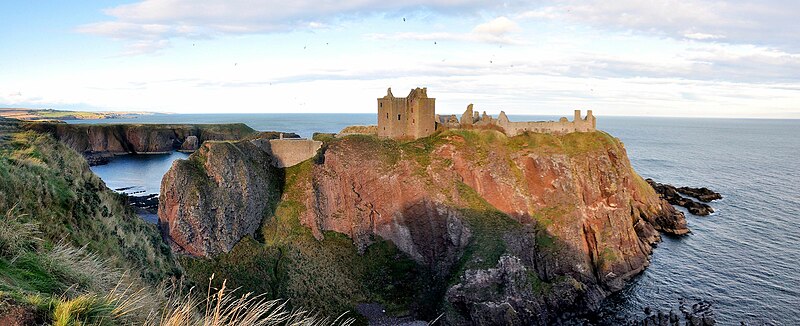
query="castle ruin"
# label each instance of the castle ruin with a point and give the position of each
(415, 117)
(406, 117)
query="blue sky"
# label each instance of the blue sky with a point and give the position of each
(653, 58)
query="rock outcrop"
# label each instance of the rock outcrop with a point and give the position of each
(703, 194)
(217, 196)
(672, 195)
(102, 140)
(190, 144)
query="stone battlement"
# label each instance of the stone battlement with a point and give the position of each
(415, 117)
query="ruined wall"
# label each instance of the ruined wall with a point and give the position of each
(288, 152)
(562, 126)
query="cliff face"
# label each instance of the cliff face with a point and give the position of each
(585, 222)
(217, 196)
(507, 230)
(136, 138)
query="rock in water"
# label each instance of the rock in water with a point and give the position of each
(703, 194)
(672, 195)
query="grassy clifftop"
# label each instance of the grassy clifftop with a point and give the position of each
(47, 183)
(66, 240)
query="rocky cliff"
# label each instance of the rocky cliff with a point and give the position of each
(502, 230)
(137, 138)
(217, 196)
(583, 221)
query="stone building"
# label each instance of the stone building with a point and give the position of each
(406, 117)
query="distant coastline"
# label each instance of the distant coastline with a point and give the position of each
(59, 115)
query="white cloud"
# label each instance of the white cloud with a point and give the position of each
(771, 23)
(703, 36)
(497, 31)
(165, 19)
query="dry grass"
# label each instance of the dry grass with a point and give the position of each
(17, 236)
(222, 307)
(82, 267)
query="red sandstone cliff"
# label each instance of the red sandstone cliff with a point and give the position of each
(587, 222)
(516, 230)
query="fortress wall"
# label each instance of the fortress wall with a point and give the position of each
(563, 126)
(516, 128)
(289, 152)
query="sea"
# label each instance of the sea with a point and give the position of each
(744, 259)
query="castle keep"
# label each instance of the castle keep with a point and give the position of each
(406, 117)
(415, 117)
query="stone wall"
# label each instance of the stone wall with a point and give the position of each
(288, 152)
(562, 126)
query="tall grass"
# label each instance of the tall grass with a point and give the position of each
(222, 307)
(16, 236)
(79, 266)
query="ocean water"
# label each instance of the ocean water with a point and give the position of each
(137, 174)
(744, 259)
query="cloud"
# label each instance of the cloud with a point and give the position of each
(145, 46)
(703, 36)
(771, 23)
(497, 31)
(165, 19)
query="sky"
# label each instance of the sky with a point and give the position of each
(689, 58)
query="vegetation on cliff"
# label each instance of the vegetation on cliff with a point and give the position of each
(549, 222)
(65, 239)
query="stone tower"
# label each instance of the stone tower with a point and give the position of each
(406, 117)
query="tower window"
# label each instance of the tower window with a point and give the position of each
(387, 115)
(380, 105)
(398, 117)
(413, 120)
